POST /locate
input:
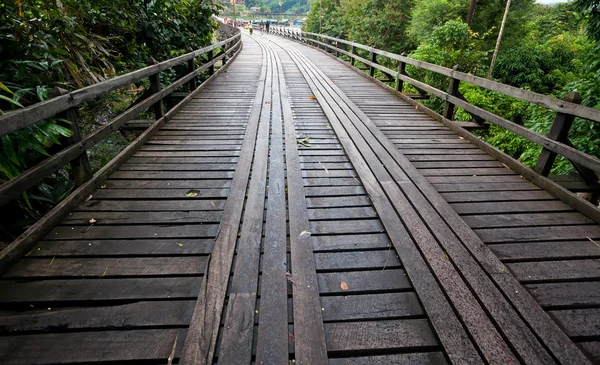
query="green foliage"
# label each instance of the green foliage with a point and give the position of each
(591, 8)
(332, 19)
(429, 14)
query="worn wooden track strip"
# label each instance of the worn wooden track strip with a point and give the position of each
(309, 333)
(201, 340)
(237, 334)
(272, 337)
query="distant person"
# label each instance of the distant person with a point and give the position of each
(267, 26)
(262, 26)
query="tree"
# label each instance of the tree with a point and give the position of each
(592, 11)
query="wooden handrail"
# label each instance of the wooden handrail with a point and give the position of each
(563, 107)
(19, 119)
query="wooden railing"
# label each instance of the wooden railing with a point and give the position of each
(65, 105)
(555, 143)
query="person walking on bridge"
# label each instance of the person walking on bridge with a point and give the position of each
(267, 26)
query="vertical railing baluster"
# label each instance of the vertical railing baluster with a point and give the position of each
(159, 107)
(452, 90)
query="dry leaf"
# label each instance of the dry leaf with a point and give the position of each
(312, 97)
(343, 285)
(88, 198)
(267, 102)
(304, 234)
(92, 221)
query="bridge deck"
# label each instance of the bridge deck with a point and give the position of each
(295, 210)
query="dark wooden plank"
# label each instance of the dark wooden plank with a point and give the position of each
(91, 289)
(103, 218)
(546, 250)
(423, 358)
(449, 188)
(104, 248)
(350, 242)
(521, 234)
(525, 219)
(573, 294)
(149, 194)
(579, 322)
(346, 227)
(167, 184)
(356, 260)
(342, 213)
(150, 206)
(501, 196)
(510, 207)
(389, 334)
(467, 172)
(123, 232)
(90, 347)
(370, 306)
(172, 313)
(556, 270)
(100, 267)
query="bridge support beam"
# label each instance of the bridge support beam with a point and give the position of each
(159, 107)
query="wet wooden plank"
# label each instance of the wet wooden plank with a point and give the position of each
(423, 358)
(570, 294)
(556, 270)
(103, 267)
(370, 306)
(388, 334)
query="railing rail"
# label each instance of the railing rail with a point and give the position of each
(554, 144)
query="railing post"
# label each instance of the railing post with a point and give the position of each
(190, 68)
(374, 60)
(352, 60)
(452, 90)
(159, 107)
(560, 132)
(401, 71)
(80, 166)
(211, 68)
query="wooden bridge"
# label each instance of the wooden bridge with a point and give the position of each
(292, 208)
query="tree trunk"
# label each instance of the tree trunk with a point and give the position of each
(499, 39)
(471, 12)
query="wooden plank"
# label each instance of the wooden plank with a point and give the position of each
(562, 295)
(503, 196)
(423, 358)
(199, 193)
(546, 250)
(102, 267)
(556, 270)
(370, 306)
(510, 207)
(139, 345)
(331, 261)
(388, 334)
(108, 248)
(355, 241)
(125, 232)
(525, 219)
(521, 234)
(579, 322)
(91, 289)
(124, 316)
(342, 213)
(456, 187)
(346, 227)
(104, 218)
(151, 205)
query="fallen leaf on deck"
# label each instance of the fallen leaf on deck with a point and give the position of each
(267, 102)
(312, 97)
(343, 285)
(179, 244)
(103, 186)
(92, 221)
(88, 198)
(192, 194)
(304, 234)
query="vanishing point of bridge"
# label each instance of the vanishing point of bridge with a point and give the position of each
(294, 210)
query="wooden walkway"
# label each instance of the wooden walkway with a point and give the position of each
(296, 211)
